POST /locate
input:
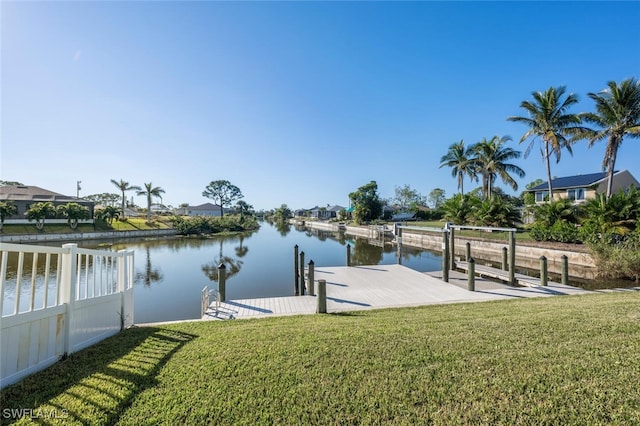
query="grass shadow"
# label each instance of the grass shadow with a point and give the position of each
(104, 378)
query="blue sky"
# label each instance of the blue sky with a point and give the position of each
(294, 102)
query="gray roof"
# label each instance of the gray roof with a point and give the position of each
(578, 181)
(205, 206)
(34, 193)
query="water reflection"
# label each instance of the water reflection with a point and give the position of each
(232, 265)
(365, 253)
(283, 228)
(149, 274)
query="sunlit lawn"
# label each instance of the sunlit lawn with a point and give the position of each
(572, 360)
(131, 224)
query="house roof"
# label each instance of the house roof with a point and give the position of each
(34, 193)
(578, 181)
(205, 206)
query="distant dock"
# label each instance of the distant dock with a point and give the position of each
(382, 286)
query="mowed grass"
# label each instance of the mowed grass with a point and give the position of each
(549, 361)
(131, 224)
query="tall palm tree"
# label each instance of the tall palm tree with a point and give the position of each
(549, 120)
(459, 158)
(491, 161)
(150, 191)
(617, 116)
(124, 186)
(244, 208)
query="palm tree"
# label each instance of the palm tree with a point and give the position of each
(108, 214)
(491, 161)
(7, 209)
(124, 186)
(459, 159)
(618, 115)
(39, 212)
(150, 191)
(73, 212)
(548, 119)
(243, 207)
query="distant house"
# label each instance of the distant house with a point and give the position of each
(23, 196)
(580, 188)
(157, 208)
(322, 213)
(206, 209)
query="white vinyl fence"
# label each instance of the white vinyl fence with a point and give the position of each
(58, 300)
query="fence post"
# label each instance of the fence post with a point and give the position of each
(471, 275)
(512, 257)
(123, 275)
(565, 270)
(301, 273)
(348, 257)
(322, 297)
(311, 278)
(296, 286)
(68, 291)
(543, 270)
(222, 282)
(467, 254)
(504, 258)
(445, 256)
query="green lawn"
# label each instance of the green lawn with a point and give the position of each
(552, 361)
(131, 224)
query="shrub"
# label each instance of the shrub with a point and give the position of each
(495, 212)
(458, 208)
(617, 259)
(564, 232)
(213, 225)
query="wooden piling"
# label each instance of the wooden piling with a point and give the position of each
(452, 249)
(322, 297)
(222, 282)
(348, 254)
(565, 270)
(296, 286)
(512, 257)
(301, 273)
(543, 271)
(467, 251)
(504, 258)
(445, 256)
(471, 275)
(311, 278)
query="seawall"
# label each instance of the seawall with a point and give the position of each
(581, 264)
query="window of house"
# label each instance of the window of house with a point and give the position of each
(576, 194)
(542, 196)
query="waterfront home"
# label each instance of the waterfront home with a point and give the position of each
(581, 188)
(23, 196)
(322, 213)
(206, 209)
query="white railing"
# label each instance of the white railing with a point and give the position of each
(57, 300)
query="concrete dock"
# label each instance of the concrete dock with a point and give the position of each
(381, 286)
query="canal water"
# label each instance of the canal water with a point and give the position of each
(170, 273)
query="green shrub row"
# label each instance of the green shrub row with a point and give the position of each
(213, 225)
